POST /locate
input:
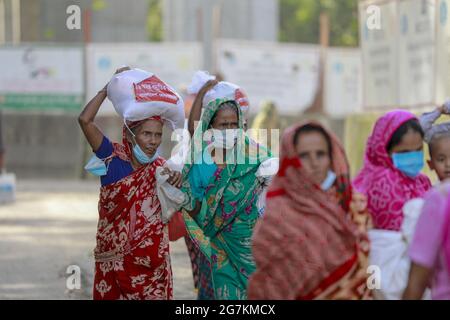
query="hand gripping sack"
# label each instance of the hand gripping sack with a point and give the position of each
(230, 91)
(221, 90)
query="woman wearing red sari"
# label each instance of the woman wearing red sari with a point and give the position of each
(309, 245)
(132, 258)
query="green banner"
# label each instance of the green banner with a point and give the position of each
(41, 101)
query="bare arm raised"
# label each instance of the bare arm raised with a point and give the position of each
(86, 118)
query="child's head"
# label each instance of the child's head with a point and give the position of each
(359, 202)
(439, 148)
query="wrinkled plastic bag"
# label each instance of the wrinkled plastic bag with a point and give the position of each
(265, 173)
(170, 197)
(389, 251)
(222, 90)
(199, 79)
(181, 151)
(430, 129)
(137, 95)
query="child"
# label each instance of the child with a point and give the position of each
(429, 251)
(430, 248)
(438, 139)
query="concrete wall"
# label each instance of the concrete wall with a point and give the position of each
(121, 21)
(51, 145)
(115, 20)
(42, 145)
(239, 19)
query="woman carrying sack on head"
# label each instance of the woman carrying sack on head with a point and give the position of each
(132, 258)
(222, 184)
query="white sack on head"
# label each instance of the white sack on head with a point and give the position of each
(137, 95)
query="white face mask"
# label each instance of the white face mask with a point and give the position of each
(96, 166)
(329, 181)
(224, 139)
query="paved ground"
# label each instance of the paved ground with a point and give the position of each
(52, 226)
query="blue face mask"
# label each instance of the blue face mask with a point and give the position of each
(329, 181)
(410, 163)
(141, 157)
(96, 166)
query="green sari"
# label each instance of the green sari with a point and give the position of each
(222, 231)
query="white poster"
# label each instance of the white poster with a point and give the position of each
(378, 34)
(343, 82)
(174, 63)
(41, 77)
(285, 74)
(442, 84)
(416, 49)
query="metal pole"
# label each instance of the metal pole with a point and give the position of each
(16, 32)
(2, 22)
(216, 33)
(87, 32)
(207, 32)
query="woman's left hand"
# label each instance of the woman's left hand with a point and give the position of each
(175, 177)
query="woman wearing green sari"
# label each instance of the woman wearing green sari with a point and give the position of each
(221, 209)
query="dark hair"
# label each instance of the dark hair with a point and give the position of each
(313, 128)
(231, 105)
(396, 138)
(433, 140)
(136, 129)
(430, 148)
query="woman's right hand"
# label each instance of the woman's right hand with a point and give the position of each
(120, 70)
(125, 68)
(208, 86)
(196, 109)
(444, 108)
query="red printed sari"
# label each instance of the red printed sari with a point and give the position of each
(307, 245)
(132, 253)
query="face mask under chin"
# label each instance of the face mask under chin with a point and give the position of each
(329, 181)
(141, 156)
